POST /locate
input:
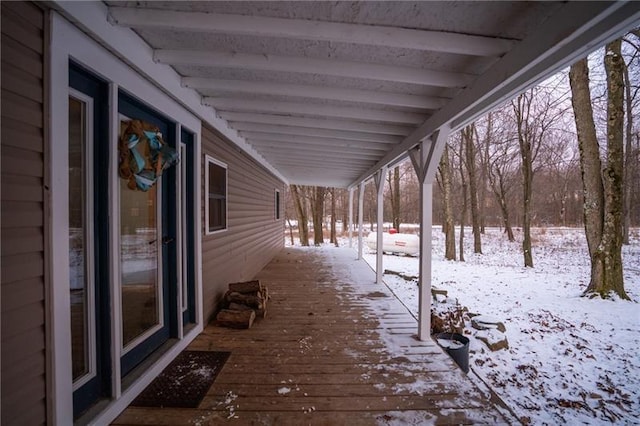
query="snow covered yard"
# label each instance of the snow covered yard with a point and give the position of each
(570, 359)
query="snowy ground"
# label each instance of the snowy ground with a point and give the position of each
(570, 359)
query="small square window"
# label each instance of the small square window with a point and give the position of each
(216, 198)
(277, 204)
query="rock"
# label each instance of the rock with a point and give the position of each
(436, 291)
(493, 338)
(484, 322)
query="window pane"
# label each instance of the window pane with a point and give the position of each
(217, 197)
(139, 261)
(78, 251)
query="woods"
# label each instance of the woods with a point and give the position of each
(563, 153)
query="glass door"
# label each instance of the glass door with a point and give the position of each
(146, 253)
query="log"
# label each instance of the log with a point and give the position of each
(246, 287)
(238, 307)
(244, 299)
(236, 319)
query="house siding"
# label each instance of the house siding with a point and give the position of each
(253, 235)
(23, 383)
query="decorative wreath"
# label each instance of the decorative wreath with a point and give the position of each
(143, 155)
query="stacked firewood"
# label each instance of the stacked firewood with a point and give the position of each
(243, 303)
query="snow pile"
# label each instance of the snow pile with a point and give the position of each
(570, 359)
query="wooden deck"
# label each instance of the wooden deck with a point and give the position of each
(334, 349)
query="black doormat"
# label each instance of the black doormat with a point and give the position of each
(184, 382)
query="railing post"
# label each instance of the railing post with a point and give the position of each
(360, 218)
(350, 224)
(379, 180)
(425, 158)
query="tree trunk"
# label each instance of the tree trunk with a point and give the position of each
(484, 172)
(498, 186)
(524, 140)
(602, 187)
(448, 223)
(317, 210)
(470, 152)
(300, 203)
(628, 160)
(463, 210)
(395, 197)
(344, 201)
(290, 229)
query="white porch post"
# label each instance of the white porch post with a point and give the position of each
(425, 158)
(379, 179)
(360, 218)
(350, 225)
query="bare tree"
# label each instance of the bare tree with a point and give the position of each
(448, 223)
(602, 186)
(534, 116)
(317, 211)
(502, 170)
(300, 202)
(469, 135)
(630, 166)
(463, 210)
(393, 177)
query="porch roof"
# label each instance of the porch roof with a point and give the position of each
(335, 348)
(327, 93)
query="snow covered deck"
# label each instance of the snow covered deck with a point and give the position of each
(335, 348)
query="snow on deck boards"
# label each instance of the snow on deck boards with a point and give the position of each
(335, 348)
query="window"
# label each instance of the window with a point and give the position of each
(216, 190)
(277, 205)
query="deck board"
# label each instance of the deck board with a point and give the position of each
(335, 348)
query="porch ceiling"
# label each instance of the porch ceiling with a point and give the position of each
(328, 92)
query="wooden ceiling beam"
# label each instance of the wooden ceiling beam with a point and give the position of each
(304, 29)
(319, 92)
(254, 105)
(306, 65)
(315, 140)
(316, 123)
(308, 131)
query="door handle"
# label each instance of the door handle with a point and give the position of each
(167, 240)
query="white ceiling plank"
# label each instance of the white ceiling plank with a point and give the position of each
(576, 30)
(269, 149)
(317, 123)
(335, 67)
(322, 164)
(324, 142)
(315, 155)
(309, 131)
(320, 92)
(262, 26)
(264, 145)
(231, 104)
(314, 139)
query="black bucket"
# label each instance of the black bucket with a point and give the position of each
(459, 351)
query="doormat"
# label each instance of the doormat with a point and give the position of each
(185, 382)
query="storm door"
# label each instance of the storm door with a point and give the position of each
(147, 251)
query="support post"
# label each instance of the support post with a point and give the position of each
(360, 218)
(350, 225)
(379, 180)
(425, 158)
